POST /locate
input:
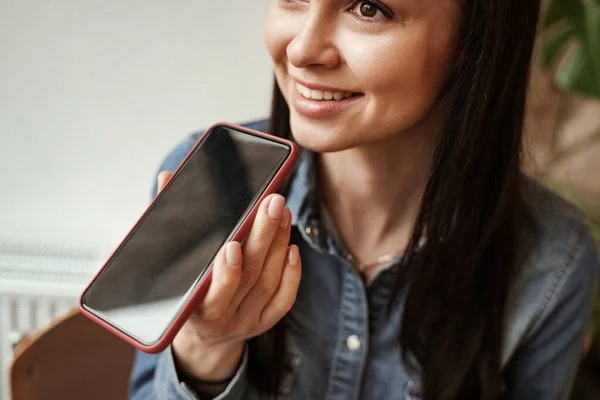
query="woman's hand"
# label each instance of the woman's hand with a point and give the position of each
(251, 290)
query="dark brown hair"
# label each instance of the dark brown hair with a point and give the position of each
(472, 209)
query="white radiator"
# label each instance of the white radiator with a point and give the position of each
(37, 283)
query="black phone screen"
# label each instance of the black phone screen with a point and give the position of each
(150, 276)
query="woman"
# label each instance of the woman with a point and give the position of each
(431, 268)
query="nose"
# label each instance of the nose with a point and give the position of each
(313, 45)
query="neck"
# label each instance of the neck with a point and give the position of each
(373, 192)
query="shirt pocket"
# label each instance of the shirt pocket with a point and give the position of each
(414, 390)
(290, 374)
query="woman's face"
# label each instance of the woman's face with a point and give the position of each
(356, 72)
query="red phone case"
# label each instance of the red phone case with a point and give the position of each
(202, 287)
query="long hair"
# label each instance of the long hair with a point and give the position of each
(457, 281)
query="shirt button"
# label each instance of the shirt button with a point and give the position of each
(353, 342)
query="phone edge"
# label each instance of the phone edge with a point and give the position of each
(186, 310)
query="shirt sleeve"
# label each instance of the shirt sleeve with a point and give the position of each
(154, 377)
(172, 161)
(545, 365)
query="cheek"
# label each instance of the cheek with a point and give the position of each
(277, 35)
(404, 74)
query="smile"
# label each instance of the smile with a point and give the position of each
(321, 95)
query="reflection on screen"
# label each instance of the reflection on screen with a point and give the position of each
(150, 276)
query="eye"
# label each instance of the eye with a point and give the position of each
(367, 10)
(370, 11)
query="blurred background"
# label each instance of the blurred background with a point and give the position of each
(563, 132)
(93, 94)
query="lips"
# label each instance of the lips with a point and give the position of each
(316, 101)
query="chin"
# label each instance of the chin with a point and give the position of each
(321, 137)
(320, 141)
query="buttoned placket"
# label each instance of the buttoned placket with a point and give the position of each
(351, 351)
(352, 345)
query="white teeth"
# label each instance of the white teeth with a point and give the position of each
(316, 94)
(305, 92)
(320, 94)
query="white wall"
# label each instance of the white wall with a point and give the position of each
(94, 93)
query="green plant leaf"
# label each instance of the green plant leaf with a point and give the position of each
(572, 10)
(580, 71)
(586, 82)
(578, 74)
(568, 75)
(554, 45)
(554, 13)
(592, 38)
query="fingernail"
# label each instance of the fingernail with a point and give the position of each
(285, 219)
(276, 207)
(232, 255)
(161, 178)
(293, 256)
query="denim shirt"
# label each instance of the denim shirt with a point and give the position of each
(343, 345)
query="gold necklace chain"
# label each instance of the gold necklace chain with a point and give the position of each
(386, 258)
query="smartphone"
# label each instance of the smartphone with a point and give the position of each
(151, 283)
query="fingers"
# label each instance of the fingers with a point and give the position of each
(226, 274)
(258, 243)
(254, 287)
(163, 178)
(285, 296)
(270, 277)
